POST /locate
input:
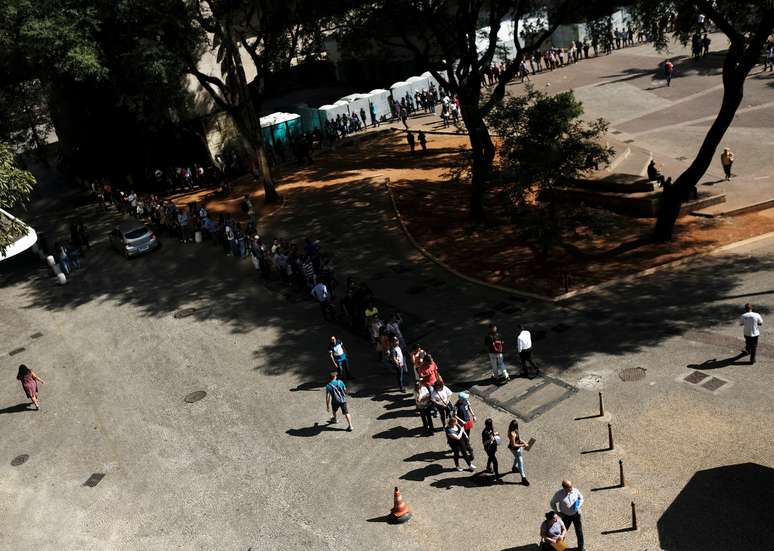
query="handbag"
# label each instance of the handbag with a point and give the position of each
(559, 545)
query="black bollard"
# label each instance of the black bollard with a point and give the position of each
(620, 470)
(634, 517)
(601, 407)
(610, 437)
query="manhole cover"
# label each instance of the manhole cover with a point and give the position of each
(632, 374)
(713, 384)
(185, 312)
(195, 396)
(19, 460)
(16, 351)
(695, 377)
(589, 382)
(36, 335)
(94, 479)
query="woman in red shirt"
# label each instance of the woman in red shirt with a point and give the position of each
(428, 370)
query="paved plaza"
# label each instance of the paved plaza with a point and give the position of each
(118, 459)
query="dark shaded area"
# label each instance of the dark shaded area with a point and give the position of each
(314, 430)
(400, 432)
(718, 364)
(421, 473)
(720, 509)
(25, 406)
(530, 547)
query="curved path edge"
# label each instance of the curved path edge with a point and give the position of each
(571, 294)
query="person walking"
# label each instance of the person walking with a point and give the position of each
(727, 160)
(454, 437)
(494, 345)
(465, 414)
(398, 363)
(321, 295)
(336, 398)
(751, 322)
(552, 533)
(410, 139)
(422, 141)
(422, 401)
(29, 381)
(567, 502)
(441, 396)
(668, 69)
(524, 347)
(490, 438)
(516, 445)
(339, 358)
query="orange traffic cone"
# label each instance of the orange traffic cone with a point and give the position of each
(400, 513)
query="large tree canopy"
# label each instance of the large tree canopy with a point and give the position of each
(15, 188)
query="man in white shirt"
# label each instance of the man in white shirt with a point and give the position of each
(398, 363)
(751, 322)
(567, 502)
(524, 347)
(321, 295)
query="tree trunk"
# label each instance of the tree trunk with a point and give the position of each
(671, 201)
(483, 151)
(252, 142)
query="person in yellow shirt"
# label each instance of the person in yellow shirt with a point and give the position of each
(727, 159)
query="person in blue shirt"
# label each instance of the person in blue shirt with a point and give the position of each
(338, 355)
(336, 397)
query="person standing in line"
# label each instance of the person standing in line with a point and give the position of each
(705, 44)
(552, 531)
(441, 396)
(494, 345)
(768, 61)
(516, 445)
(454, 437)
(422, 401)
(668, 68)
(567, 502)
(524, 347)
(29, 381)
(321, 295)
(393, 328)
(428, 370)
(465, 414)
(727, 160)
(491, 439)
(410, 140)
(398, 363)
(422, 141)
(417, 355)
(336, 397)
(751, 322)
(339, 358)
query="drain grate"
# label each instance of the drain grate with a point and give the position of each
(195, 396)
(36, 335)
(696, 377)
(19, 460)
(17, 351)
(632, 374)
(94, 479)
(184, 313)
(713, 384)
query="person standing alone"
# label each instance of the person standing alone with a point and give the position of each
(751, 322)
(668, 68)
(727, 160)
(494, 345)
(411, 141)
(524, 346)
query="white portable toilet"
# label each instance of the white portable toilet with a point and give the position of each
(356, 103)
(431, 79)
(399, 90)
(379, 98)
(338, 108)
(418, 84)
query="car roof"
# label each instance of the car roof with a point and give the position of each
(128, 225)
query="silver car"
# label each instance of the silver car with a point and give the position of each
(133, 238)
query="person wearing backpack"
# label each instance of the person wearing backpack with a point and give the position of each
(336, 397)
(465, 414)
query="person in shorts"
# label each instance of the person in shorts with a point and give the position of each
(336, 398)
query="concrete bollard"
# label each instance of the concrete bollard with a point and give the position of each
(198, 237)
(61, 279)
(634, 517)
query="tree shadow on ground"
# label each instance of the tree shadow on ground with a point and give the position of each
(728, 503)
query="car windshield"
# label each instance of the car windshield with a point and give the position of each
(135, 233)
